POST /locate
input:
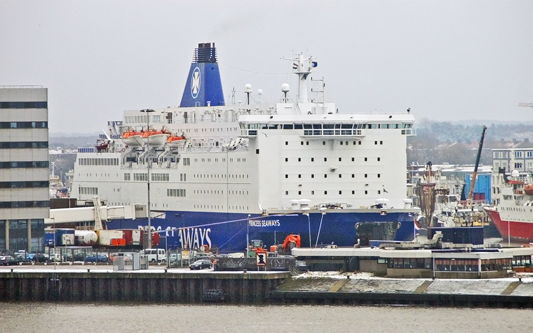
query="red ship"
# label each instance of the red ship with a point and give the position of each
(512, 209)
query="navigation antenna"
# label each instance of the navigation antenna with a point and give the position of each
(321, 90)
(233, 96)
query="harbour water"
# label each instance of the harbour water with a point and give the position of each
(123, 318)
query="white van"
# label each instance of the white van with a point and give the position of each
(155, 255)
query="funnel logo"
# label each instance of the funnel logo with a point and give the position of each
(195, 84)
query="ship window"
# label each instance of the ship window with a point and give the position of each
(366, 175)
(325, 192)
(257, 151)
(286, 176)
(379, 192)
(323, 143)
(312, 159)
(308, 126)
(359, 142)
(297, 126)
(353, 159)
(299, 192)
(312, 192)
(381, 142)
(307, 143)
(299, 159)
(379, 159)
(288, 126)
(340, 176)
(366, 192)
(286, 143)
(375, 142)
(340, 192)
(301, 143)
(353, 175)
(312, 176)
(366, 159)
(286, 192)
(286, 159)
(325, 176)
(353, 192)
(379, 175)
(325, 159)
(299, 176)
(342, 142)
(340, 159)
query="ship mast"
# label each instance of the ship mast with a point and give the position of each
(302, 67)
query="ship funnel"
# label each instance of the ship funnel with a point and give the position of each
(203, 86)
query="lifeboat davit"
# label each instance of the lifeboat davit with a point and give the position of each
(528, 188)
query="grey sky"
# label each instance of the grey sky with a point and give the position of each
(446, 60)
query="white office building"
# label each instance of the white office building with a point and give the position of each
(520, 159)
(24, 175)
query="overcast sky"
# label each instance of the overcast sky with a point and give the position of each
(446, 60)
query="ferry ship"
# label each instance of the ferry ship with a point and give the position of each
(220, 175)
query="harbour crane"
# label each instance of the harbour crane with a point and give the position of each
(474, 175)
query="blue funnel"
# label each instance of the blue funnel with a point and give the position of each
(203, 85)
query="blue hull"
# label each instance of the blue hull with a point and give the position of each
(228, 232)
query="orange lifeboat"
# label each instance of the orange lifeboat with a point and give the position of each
(130, 134)
(175, 138)
(528, 188)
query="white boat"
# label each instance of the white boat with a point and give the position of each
(256, 171)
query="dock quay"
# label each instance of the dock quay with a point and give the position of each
(360, 289)
(158, 285)
(180, 285)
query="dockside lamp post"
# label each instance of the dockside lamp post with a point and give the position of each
(147, 112)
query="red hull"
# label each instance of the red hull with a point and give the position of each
(518, 231)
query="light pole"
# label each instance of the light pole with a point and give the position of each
(147, 112)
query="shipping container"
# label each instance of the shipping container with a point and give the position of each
(111, 238)
(64, 237)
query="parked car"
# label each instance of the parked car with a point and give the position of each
(21, 258)
(99, 258)
(174, 258)
(4, 260)
(201, 264)
(38, 257)
(9, 260)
